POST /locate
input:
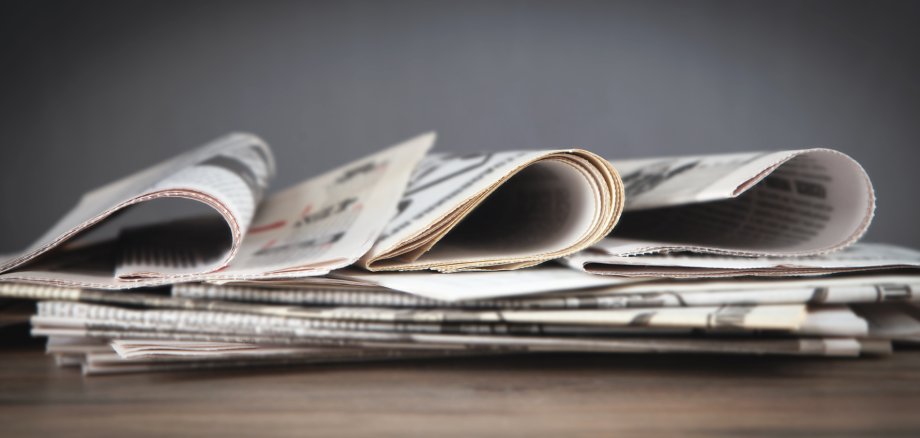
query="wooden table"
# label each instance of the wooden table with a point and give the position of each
(559, 395)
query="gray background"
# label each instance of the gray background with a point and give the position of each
(90, 91)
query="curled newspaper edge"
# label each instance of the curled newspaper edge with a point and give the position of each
(780, 204)
(499, 211)
(324, 223)
(237, 164)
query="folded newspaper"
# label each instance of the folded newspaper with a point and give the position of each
(205, 326)
(857, 257)
(324, 223)
(397, 209)
(503, 210)
(779, 204)
(722, 254)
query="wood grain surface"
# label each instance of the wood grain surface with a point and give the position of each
(560, 395)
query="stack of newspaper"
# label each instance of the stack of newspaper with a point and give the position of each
(410, 254)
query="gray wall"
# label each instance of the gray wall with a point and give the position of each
(90, 91)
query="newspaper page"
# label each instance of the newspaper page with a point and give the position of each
(748, 318)
(849, 289)
(788, 203)
(150, 355)
(853, 288)
(855, 258)
(369, 296)
(330, 221)
(837, 320)
(158, 355)
(806, 346)
(480, 285)
(324, 223)
(229, 175)
(498, 211)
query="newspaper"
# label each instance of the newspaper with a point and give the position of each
(632, 274)
(69, 345)
(324, 223)
(499, 210)
(850, 289)
(234, 304)
(229, 174)
(292, 321)
(394, 210)
(159, 349)
(780, 204)
(855, 258)
(371, 324)
(171, 340)
(840, 289)
(111, 364)
(100, 357)
(275, 300)
(306, 295)
(839, 320)
(804, 346)
(151, 355)
(268, 279)
(479, 285)
(860, 288)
